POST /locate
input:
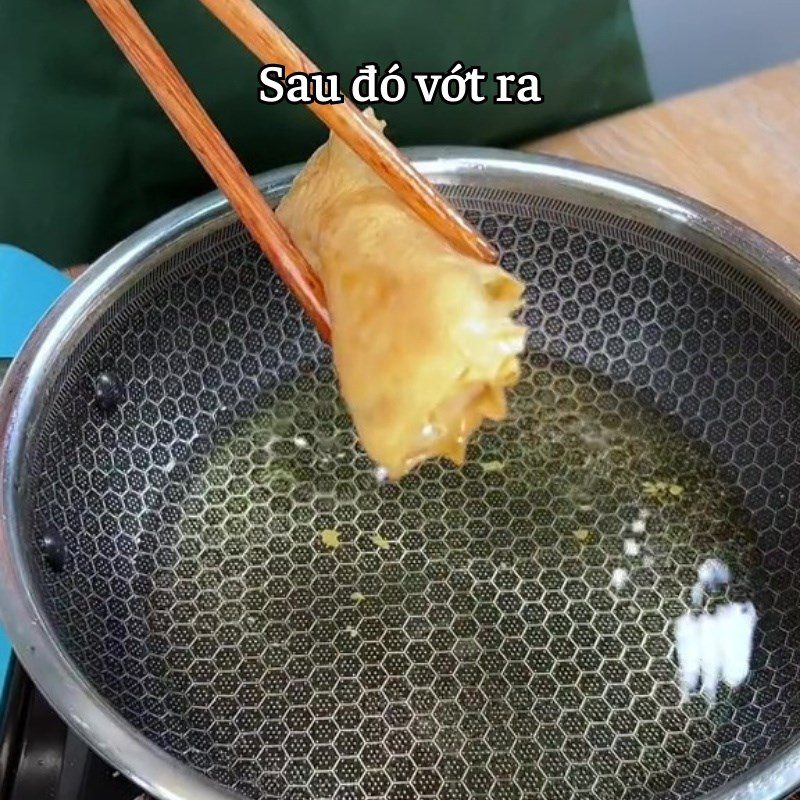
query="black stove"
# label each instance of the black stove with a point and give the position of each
(42, 759)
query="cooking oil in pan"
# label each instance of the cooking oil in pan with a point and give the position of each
(470, 613)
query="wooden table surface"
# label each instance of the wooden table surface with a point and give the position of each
(735, 146)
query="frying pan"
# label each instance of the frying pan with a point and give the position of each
(173, 445)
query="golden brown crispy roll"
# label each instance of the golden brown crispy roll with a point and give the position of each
(423, 339)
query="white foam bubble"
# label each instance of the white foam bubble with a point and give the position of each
(638, 526)
(619, 577)
(688, 649)
(715, 648)
(631, 547)
(713, 574)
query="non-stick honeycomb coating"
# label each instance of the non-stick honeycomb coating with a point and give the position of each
(489, 657)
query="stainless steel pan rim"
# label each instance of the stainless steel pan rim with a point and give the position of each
(24, 392)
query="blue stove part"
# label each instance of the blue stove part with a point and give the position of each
(28, 287)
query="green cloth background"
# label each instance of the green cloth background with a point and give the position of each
(87, 157)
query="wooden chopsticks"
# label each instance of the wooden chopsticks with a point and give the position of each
(259, 34)
(262, 37)
(173, 94)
